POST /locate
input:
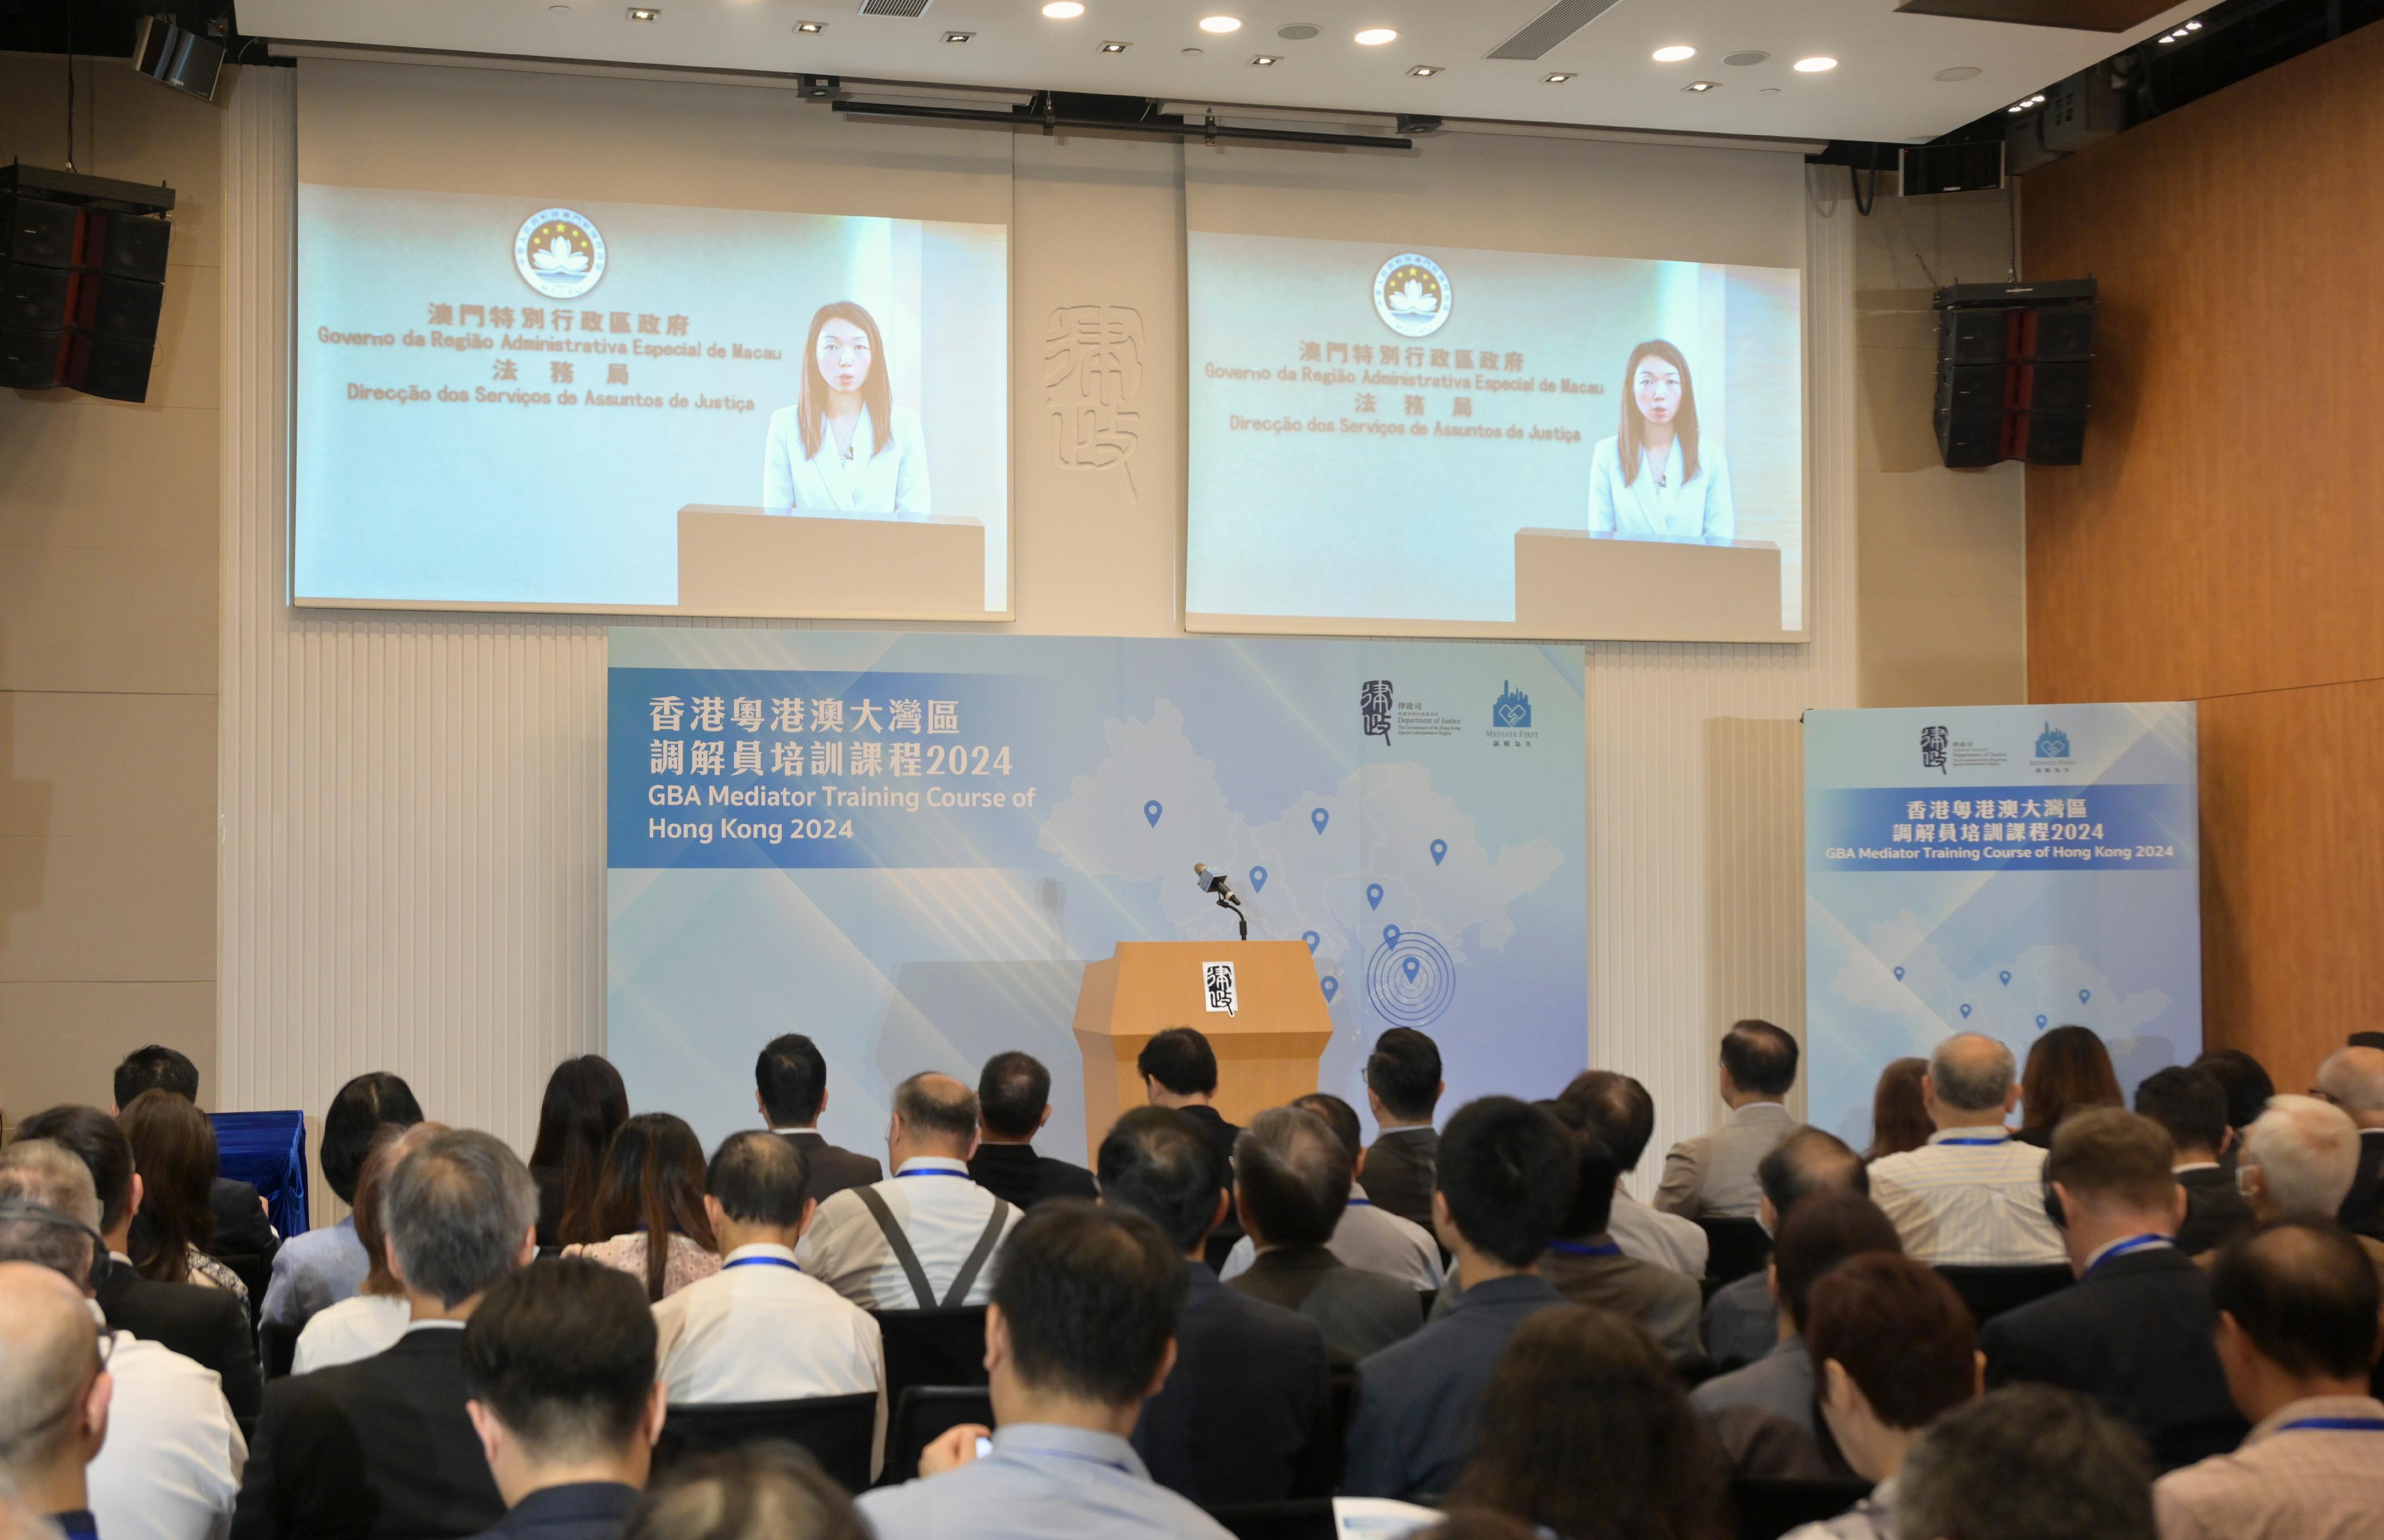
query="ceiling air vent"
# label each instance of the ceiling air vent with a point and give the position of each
(1554, 25)
(2084, 15)
(895, 7)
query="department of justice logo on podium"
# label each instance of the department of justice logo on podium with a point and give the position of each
(1412, 295)
(560, 253)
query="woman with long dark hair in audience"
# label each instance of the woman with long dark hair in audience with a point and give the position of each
(586, 1104)
(327, 1264)
(375, 1315)
(652, 1184)
(1899, 1120)
(2068, 1069)
(1586, 1433)
(174, 1154)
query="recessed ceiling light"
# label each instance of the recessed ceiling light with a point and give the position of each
(1264, 59)
(644, 13)
(1425, 71)
(1065, 10)
(1815, 65)
(958, 37)
(1374, 37)
(1559, 79)
(1114, 47)
(1220, 23)
(1745, 57)
(808, 27)
(1673, 53)
(1702, 86)
(1960, 72)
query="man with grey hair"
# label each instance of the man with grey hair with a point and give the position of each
(53, 1393)
(1291, 1184)
(2026, 1463)
(2353, 1079)
(1972, 1195)
(383, 1446)
(171, 1467)
(2299, 1158)
(924, 1238)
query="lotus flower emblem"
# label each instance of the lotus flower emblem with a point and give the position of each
(559, 257)
(1412, 299)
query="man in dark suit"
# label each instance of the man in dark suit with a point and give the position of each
(241, 1227)
(2192, 1105)
(205, 1325)
(1179, 1071)
(790, 1087)
(1244, 1416)
(559, 1360)
(2353, 1079)
(2135, 1332)
(382, 1449)
(1403, 1086)
(1292, 1187)
(1014, 1102)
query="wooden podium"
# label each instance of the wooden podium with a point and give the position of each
(1266, 1051)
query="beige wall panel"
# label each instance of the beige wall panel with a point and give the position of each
(74, 764)
(107, 908)
(76, 471)
(79, 618)
(62, 1042)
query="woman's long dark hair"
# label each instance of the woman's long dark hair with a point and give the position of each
(811, 406)
(2068, 1068)
(585, 1105)
(1586, 1433)
(654, 1182)
(1899, 1119)
(1630, 442)
(173, 1152)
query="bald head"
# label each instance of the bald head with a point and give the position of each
(934, 1115)
(2354, 1079)
(1969, 1080)
(49, 1360)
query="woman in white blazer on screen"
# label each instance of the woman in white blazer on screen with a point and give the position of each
(844, 449)
(1655, 480)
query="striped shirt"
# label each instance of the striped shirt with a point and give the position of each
(2287, 1482)
(1970, 1197)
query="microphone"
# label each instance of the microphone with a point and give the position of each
(1212, 881)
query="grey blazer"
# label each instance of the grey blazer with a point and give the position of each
(1714, 1174)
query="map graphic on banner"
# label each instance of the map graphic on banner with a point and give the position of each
(2002, 870)
(909, 846)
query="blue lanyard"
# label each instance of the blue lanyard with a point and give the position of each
(761, 1262)
(1980, 1142)
(1576, 1248)
(936, 1170)
(2133, 1242)
(1068, 1454)
(1362, 1202)
(2336, 1424)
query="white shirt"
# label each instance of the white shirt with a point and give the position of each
(761, 1330)
(1652, 1235)
(1370, 1239)
(1699, 508)
(939, 1209)
(1970, 1197)
(357, 1327)
(170, 1467)
(890, 482)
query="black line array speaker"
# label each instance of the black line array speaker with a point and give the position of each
(2013, 363)
(81, 289)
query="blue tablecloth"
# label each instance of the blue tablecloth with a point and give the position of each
(267, 1151)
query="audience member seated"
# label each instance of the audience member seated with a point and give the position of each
(760, 1329)
(1819, 1233)
(323, 1267)
(2134, 1333)
(585, 1105)
(2297, 1335)
(383, 1447)
(1624, 1115)
(1243, 1418)
(559, 1360)
(925, 1236)
(2298, 1158)
(1899, 1120)
(2192, 1107)
(2028, 1464)
(790, 1089)
(1741, 1321)
(1403, 1087)
(1505, 1175)
(652, 1184)
(171, 1463)
(1972, 1195)
(1292, 1187)
(1893, 1347)
(2247, 1084)
(2067, 1071)
(1080, 1332)
(763, 1492)
(54, 1396)
(1014, 1102)
(371, 1320)
(2353, 1079)
(242, 1225)
(205, 1325)
(1367, 1236)
(173, 1222)
(1585, 1432)
(1713, 1174)
(1179, 1070)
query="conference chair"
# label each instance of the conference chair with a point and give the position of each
(924, 1413)
(1990, 1291)
(1298, 1519)
(1768, 1509)
(277, 1349)
(838, 1430)
(1734, 1248)
(254, 1273)
(932, 1347)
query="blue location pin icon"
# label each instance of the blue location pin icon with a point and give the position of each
(2085, 995)
(1150, 811)
(1408, 967)
(1439, 850)
(1257, 879)
(1966, 1013)
(1390, 936)
(1899, 976)
(1319, 817)
(2005, 976)
(1332, 987)
(1312, 940)
(2039, 1024)
(1373, 895)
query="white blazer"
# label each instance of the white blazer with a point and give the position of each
(1700, 510)
(890, 483)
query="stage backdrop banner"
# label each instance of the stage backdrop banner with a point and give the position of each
(1998, 869)
(909, 846)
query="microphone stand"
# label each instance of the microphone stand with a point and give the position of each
(1234, 907)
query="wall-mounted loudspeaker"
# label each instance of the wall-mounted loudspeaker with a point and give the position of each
(83, 268)
(2012, 372)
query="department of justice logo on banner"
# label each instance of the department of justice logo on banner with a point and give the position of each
(559, 253)
(1412, 295)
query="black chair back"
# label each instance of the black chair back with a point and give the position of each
(838, 1430)
(1768, 1509)
(924, 1413)
(1990, 1291)
(254, 1273)
(1298, 1519)
(932, 1347)
(1734, 1248)
(277, 1349)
